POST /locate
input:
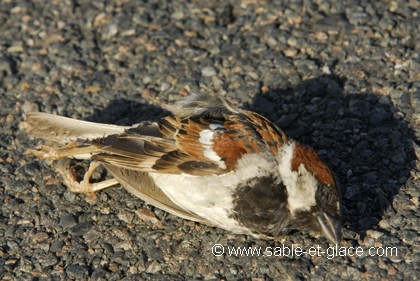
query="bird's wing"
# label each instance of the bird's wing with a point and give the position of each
(141, 185)
(208, 139)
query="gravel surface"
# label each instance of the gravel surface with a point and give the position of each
(343, 78)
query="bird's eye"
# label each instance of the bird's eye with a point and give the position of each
(325, 194)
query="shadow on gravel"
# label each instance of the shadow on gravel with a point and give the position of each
(128, 112)
(357, 135)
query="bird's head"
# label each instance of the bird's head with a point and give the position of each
(313, 197)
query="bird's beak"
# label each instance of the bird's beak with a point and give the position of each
(331, 227)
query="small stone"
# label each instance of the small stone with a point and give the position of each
(92, 236)
(272, 42)
(81, 228)
(127, 218)
(57, 246)
(253, 75)
(32, 169)
(178, 15)
(367, 222)
(398, 159)
(129, 32)
(183, 92)
(292, 42)
(121, 233)
(384, 100)
(93, 89)
(153, 267)
(149, 94)
(109, 248)
(40, 236)
(326, 70)
(321, 36)
(352, 192)
(265, 88)
(6, 65)
(148, 216)
(125, 245)
(374, 234)
(290, 52)
(384, 224)
(415, 201)
(91, 198)
(147, 79)
(100, 19)
(379, 115)
(371, 176)
(208, 71)
(133, 269)
(368, 241)
(77, 271)
(112, 31)
(392, 270)
(30, 106)
(67, 221)
(164, 86)
(15, 49)
(113, 267)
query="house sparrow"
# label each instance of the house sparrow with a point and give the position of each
(210, 162)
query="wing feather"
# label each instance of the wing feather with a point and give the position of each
(141, 185)
(208, 137)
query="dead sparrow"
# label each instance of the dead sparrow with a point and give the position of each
(210, 162)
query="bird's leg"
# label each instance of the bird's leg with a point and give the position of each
(61, 163)
(72, 149)
(85, 186)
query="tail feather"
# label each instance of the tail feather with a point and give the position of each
(49, 126)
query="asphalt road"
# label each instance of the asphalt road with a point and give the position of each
(343, 78)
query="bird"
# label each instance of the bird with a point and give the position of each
(208, 161)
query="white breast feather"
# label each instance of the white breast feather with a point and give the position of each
(211, 197)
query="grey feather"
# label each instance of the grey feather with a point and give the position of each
(203, 105)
